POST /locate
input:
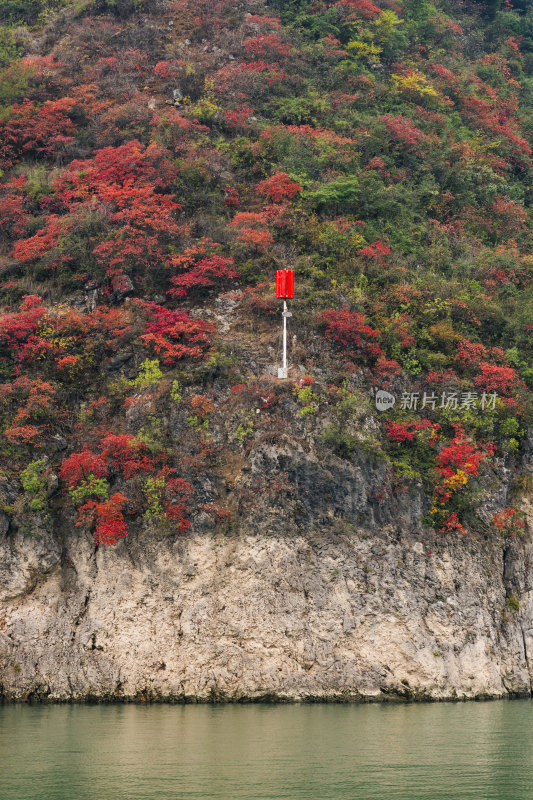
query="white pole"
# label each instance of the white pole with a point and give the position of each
(283, 371)
(284, 337)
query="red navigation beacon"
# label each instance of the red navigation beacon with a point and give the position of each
(285, 283)
(285, 290)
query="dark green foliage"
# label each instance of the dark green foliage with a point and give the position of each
(18, 12)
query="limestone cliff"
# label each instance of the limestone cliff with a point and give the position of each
(359, 602)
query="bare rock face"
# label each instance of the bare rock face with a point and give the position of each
(329, 587)
(332, 592)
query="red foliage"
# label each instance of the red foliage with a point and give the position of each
(13, 218)
(231, 197)
(462, 454)
(385, 371)
(260, 299)
(128, 187)
(30, 402)
(39, 131)
(442, 376)
(403, 130)
(253, 229)
(470, 354)
(510, 216)
(348, 328)
(79, 467)
(267, 44)
(19, 331)
(360, 8)
(509, 522)
(502, 380)
(170, 69)
(279, 187)
(377, 251)
(24, 434)
(44, 242)
(110, 524)
(246, 81)
(175, 335)
(451, 523)
(401, 432)
(456, 463)
(177, 495)
(125, 455)
(210, 271)
(237, 117)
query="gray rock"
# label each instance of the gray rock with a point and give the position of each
(119, 360)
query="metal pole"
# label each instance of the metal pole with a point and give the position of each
(284, 336)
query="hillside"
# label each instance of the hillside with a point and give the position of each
(159, 162)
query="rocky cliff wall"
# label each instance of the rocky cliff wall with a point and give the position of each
(349, 598)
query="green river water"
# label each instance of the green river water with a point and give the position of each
(459, 751)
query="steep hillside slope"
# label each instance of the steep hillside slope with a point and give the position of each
(174, 520)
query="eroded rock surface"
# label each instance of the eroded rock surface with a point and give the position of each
(357, 601)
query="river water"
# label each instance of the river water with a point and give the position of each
(460, 751)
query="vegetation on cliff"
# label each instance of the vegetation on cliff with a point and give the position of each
(161, 159)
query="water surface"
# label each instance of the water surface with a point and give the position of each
(463, 751)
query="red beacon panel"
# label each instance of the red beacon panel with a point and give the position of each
(285, 283)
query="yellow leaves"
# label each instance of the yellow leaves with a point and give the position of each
(204, 109)
(375, 37)
(480, 144)
(367, 50)
(387, 22)
(414, 82)
(455, 481)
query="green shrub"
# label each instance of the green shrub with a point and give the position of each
(149, 375)
(34, 482)
(92, 487)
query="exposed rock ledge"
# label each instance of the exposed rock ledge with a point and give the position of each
(321, 616)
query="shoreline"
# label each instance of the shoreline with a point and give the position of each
(220, 699)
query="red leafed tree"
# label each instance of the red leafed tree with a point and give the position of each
(175, 335)
(377, 251)
(279, 187)
(213, 270)
(509, 522)
(13, 217)
(110, 524)
(462, 454)
(125, 455)
(267, 44)
(28, 405)
(45, 243)
(39, 131)
(349, 329)
(359, 8)
(502, 380)
(177, 494)
(253, 229)
(79, 467)
(470, 354)
(127, 189)
(19, 332)
(403, 130)
(401, 432)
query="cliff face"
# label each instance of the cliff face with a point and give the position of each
(176, 522)
(330, 609)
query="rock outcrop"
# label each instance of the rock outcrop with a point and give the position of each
(333, 594)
